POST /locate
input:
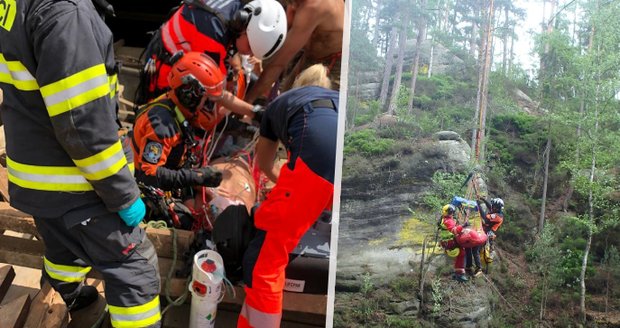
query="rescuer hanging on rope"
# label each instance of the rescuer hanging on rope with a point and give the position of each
(449, 230)
(492, 219)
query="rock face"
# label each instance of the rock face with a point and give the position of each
(374, 206)
(380, 237)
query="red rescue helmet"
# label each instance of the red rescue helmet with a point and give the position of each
(193, 78)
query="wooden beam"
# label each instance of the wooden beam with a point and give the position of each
(40, 305)
(29, 253)
(162, 240)
(294, 302)
(15, 220)
(7, 274)
(13, 314)
(57, 313)
(4, 184)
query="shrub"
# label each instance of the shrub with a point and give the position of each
(366, 142)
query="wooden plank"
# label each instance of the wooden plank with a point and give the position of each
(7, 274)
(4, 184)
(29, 253)
(40, 305)
(162, 240)
(57, 313)
(15, 220)
(293, 302)
(13, 314)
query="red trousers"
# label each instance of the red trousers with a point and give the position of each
(290, 209)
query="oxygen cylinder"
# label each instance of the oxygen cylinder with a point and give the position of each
(206, 288)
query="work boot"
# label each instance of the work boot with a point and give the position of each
(87, 296)
(460, 277)
(477, 272)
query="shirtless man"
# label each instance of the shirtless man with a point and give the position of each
(315, 27)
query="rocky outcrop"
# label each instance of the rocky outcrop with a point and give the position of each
(380, 237)
(375, 206)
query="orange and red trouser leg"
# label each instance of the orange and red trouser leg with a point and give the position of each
(304, 189)
(291, 208)
(459, 260)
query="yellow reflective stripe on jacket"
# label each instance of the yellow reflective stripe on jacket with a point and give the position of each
(104, 164)
(76, 90)
(113, 82)
(47, 178)
(135, 316)
(66, 273)
(16, 74)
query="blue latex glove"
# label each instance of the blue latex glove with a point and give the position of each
(133, 214)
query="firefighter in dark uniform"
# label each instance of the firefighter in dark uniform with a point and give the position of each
(305, 120)
(65, 162)
(163, 134)
(217, 28)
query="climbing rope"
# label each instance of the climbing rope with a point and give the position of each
(181, 299)
(502, 296)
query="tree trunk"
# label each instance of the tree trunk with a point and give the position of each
(543, 298)
(387, 72)
(505, 42)
(548, 29)
(586, 252)
(430, 60)
(376, 35)
(512, 48)
(416, 60)
(483, 84)
(402, 42)
(541, 219)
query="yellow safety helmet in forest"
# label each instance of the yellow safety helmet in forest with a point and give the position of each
(448, 209)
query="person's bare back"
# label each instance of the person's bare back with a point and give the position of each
(315, 27)
(326, 38)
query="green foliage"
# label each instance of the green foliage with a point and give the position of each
(367, 285)
(436, 295)
(362, 112)
(445, 186)
(397, 321)
(366, 142)
(404, 286)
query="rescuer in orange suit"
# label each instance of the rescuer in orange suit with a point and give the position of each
(305, 120)
(493, 219)
(163, 134)
(216, 28)
(450, 229)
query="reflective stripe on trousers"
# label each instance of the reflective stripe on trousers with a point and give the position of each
(66, 273)
(135, 316)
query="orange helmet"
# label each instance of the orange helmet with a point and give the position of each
(193, 78)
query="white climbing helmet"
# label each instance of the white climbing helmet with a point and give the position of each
(266, 28)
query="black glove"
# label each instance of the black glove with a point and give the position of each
(208, 176)
(258, 113)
